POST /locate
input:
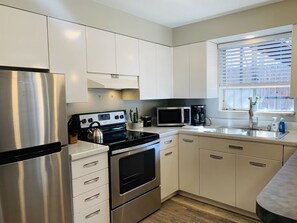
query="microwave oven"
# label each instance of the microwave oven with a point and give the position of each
(173, 116)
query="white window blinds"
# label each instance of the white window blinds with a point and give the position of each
(259, 62)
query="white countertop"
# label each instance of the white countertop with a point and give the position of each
(84, 149)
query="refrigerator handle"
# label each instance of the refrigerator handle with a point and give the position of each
(29, 153)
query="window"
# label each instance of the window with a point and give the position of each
(256, 68)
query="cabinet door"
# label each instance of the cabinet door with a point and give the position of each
(67, 49)
(288, 151)
(164, 66)
(188, 164)
(148, 75)
(217, 176)
(101, 53)
(181, 72)
(198, 72)
(127, 55)
(252, 174)
(23, 39)
(169, 171)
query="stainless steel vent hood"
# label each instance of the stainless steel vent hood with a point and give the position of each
(112, 81)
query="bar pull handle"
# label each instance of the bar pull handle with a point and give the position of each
(188, 140)
(168, 142)
(235, 147)
(92, 197)
(91, 181)
(90, 164)
(92, 214)
(216, 157)
(258, 164)
(167, 154)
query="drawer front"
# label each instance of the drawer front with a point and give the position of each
(168, 142)
(254, 149)
(89, 165)
(95, 214)
(89, 182)
(187, 141)
(90, 198)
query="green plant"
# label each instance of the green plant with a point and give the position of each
(134, 116)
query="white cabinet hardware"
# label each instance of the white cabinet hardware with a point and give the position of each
(188, 140)
(235, 147)
(91, 181)
(91, 164)
(215, 157)
(93, 214)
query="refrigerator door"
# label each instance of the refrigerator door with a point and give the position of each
(36, 189)
(33, 109)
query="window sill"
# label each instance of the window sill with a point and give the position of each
(292, 113)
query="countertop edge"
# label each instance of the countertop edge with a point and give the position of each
(84, 149)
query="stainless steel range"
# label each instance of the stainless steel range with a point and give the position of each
(134, 159)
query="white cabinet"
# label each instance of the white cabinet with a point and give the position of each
(155, 64)
(188, 164)
(169, 166)
(101, 52)
(67, 50)
(195, 71)
(252, 174)
(217, 176)
(90, 189)
(23, 39)
(127, 55)
(288, 151)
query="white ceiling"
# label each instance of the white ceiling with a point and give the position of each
(174, 13)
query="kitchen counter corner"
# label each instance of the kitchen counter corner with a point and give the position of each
(83, 149)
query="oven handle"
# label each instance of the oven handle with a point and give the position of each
(134, 147)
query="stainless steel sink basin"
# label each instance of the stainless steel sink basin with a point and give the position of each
(246, 132)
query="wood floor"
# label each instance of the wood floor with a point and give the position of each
(180, 209)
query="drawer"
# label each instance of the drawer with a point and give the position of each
(254, 149)
(168, 142)
(90, 198)
(95, 214)
(89, 182)
(88, 165)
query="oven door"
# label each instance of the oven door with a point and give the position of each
(134, 172)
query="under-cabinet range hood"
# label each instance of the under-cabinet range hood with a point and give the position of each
(112, 81)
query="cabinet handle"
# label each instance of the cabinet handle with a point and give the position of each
(235, 147)
(92, 214)
(188, 140)
(92, 197)
(91, 164)
(216, 157)
(91, 181)
(167, 154)
(168, 142)
(258, 164)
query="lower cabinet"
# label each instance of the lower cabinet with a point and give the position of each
(169, 166)
(90, 189)
(252, 174)
(217, 176)
(188, 164)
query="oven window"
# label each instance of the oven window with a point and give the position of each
(136, 170)
(170, 116)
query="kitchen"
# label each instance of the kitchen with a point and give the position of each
(60, 55)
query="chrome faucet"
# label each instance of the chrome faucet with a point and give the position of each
(251, 113)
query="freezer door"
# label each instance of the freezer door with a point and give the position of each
(36, 190)
(33, 109)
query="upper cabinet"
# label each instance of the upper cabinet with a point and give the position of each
(101, 51)
(195, 71)
(294, 63)
(155, 63)
(23, 39)
(127, 55)
(67, 50)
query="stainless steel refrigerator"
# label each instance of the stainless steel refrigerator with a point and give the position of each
(34, 168)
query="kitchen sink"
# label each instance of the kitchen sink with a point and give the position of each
(246, 132)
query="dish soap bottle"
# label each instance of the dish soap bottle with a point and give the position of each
(282, 126)
(274, 124)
